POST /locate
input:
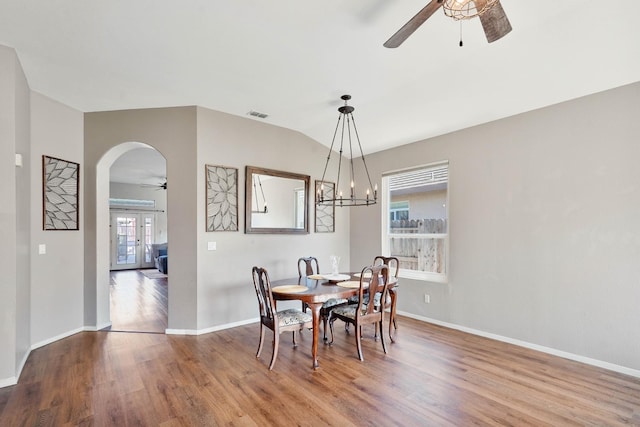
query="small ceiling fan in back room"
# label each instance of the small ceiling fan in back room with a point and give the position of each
(494, 20)
(159, 186)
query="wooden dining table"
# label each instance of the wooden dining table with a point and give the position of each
(318, 291)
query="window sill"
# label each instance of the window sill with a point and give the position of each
(423, 276)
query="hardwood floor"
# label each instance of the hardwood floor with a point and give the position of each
(138, 303)
(431, 376)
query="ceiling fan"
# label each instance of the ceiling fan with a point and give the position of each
(161, 186)
(494, 20)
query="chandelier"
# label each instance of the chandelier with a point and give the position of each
(335, 195)
(467, 9)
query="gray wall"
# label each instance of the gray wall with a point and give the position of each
(223, 276)
(24, 188)
(15, 187)
(544, 229)
(172, 131)
(40, 295)
(8, 212)
(56, 277)
(225, 288)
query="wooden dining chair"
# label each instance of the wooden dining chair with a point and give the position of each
(278, 321)
(363, 313)
(308, 266)
(390, 302)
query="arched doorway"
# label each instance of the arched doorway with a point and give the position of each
(131, 216)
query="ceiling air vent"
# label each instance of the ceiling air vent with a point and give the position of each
(257, 114)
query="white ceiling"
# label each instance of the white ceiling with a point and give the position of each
(293, 59)
(139, 166)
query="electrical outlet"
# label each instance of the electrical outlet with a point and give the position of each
(427, 298)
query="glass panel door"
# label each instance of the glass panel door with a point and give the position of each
(132, 236)
(148, 233)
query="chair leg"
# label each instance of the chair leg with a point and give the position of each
(324, 327)
(295, 344)
(392, 326)
(384, 347)
(276, 344)
(391, 332)
(331, 320)
(262, 331)
(359, 341)
(392, 313)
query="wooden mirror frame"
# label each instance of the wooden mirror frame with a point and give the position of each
(248, 227)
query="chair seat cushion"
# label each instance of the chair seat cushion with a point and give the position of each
(334, 302)
(291, 316)
(348, 311)
(376, 299)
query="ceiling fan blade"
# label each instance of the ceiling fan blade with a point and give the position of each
(403, 33)
(495, 23)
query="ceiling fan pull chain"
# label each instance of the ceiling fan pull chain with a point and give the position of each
(461, 33)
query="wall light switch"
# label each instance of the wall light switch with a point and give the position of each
(211, 246)
(19, 160)
(42, 249)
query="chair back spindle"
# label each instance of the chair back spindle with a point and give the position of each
(265, 296)
(308, 266)
(392, 262)
(377, 283)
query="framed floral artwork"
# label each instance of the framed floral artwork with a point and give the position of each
(60, 194)
(222, 198)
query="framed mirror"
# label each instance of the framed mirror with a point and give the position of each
(276, 202)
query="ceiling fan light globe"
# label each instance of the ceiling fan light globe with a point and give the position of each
(466, 9)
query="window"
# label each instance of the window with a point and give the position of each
(299, 207)
(415, 230)
(131, 203)
(398, 211)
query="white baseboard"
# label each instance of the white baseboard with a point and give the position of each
(58, 337)
(181, 332)
(6, 382)
(543, 349)
(22, 363)
(97, 328)
(211, 329)
(227, 326)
